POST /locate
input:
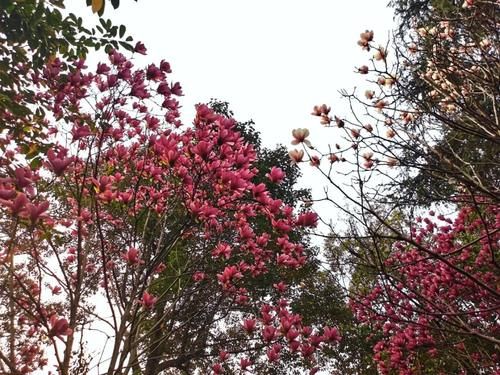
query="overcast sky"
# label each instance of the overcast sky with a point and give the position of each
(272, 60)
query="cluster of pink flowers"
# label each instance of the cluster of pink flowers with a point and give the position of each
(118, 152)
(446, 281)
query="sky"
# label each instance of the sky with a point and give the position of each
(271, 60)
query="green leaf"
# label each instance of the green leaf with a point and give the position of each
(36, 162)
(122, 31)
(127, 46)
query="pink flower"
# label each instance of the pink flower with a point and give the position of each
(249, 325)
(363, 69)
(280, 287)
(320, 110)
(222, 250)
(275, 175)
(176, 89)
(364, 39)
(116, 58)
(333, 158)
(307, 219)
(153, 73)
(223, 355)
(198, 276)
(56, 290)
(59, 327)
(102, 68)
(367, 35)
(306, 330)
(292, 334)
(203, 149)
(390, 133)
(268, 333)
(80, 132)
(331, 334)
(59, 162)
(148, 300)
(24, 177)
(296, 155)
(18, 204)
(140, 48)
(139, 90)
(7, 192)
(132, 256)
(294, 346)
(244, 363)
(217, 368)
(307, 350)
(340, 123)
(165, 66)
(111, 80)
(380, 54)
(229, 273)
(163, 89)
(35, 211)
(315, 161)
(380, 105)
(272, 355)
(300, 136)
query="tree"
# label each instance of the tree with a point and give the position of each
(450, 52)
(427, 287)
(275, 171)
(96, 235)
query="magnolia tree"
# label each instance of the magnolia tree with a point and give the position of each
(128, 221)
(425, 131)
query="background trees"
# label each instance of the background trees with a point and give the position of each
(425, 131)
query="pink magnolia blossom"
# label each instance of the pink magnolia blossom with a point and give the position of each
(275, 175)
(59, 327)
(148, 300)
(300, 136)
(140, 48)
(296, 155)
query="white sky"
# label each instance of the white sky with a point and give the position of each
(271, 60)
